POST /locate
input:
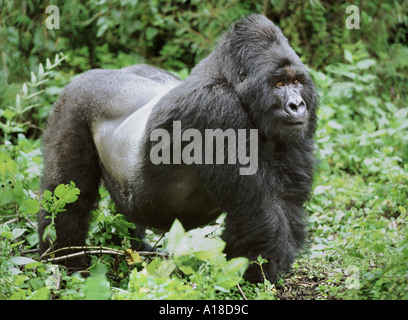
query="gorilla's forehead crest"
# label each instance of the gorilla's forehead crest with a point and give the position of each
(254, 43)
(255, 29)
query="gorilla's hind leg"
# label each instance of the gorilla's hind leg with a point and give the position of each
(69, 155)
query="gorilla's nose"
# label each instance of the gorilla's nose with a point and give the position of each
(296, 108)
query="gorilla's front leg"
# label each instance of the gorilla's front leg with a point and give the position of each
(275, 232)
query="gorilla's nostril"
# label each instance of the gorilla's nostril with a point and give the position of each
(293, 106)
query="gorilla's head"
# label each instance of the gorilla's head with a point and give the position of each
(271, 81)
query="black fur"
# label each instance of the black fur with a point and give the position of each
(234, 87)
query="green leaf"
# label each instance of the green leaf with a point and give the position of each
(68, 193)
(48, 64)
(236, 265)
(365, 64)
(333, 124)
(367, 78)
(16, 244)
(18, 102)
(9, 114)
(25, 90)
(7, 235)
(348, 56)
(47, 195)
(161, 268)
(97, 286)
(21, 260)
(261, 260)
(175, 236)
(207, 249)
(30, 206)
(40, 294)
(33, 78)
(186, 269)
(50, 232)
(60, 191)
(231, 273)
(17, 232)
(71, 195)
(374, 101)
(40, 70)
(151, 33)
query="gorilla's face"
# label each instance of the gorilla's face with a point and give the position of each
(280, 98)
(271, 81)
(284, 116)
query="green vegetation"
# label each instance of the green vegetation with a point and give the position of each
(358, 244)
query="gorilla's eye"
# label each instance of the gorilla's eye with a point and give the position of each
(279, 84)
(296, 82)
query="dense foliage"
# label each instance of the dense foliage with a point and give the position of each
(358, 244)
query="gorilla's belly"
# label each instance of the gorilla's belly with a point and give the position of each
(179, 195)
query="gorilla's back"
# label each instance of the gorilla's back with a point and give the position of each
(121, 105)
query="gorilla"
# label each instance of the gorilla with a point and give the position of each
(107, 124)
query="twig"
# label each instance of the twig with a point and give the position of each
(94, 250)
(24, 252)
(45, 252)
(157, 242)
(84, 248)
(7, 222)
(242, 292)
(153, 253)
(31, 223)
(77, 254)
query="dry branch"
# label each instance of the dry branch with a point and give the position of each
(85, 250)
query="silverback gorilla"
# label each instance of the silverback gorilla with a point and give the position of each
(103, 123)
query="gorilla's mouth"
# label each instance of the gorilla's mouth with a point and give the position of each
(294, 122)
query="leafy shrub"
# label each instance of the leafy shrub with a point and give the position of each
(53, 203)
(199, 259)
